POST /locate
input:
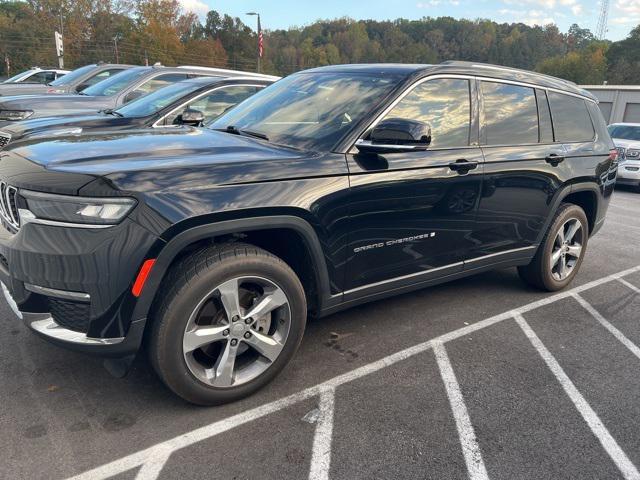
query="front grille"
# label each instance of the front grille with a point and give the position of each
(8, 205)
(5, 138)
(71, 315)
(632, 169)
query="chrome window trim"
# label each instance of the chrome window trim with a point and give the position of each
(480, 78)
(197, 97)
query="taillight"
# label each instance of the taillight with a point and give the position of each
(613, 155)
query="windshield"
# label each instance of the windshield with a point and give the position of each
(311, 111)
(156, 101)
(625, 132)
(71, 77)
(18, 76)
(116, 83)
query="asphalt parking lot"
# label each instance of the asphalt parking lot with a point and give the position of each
(479, 378)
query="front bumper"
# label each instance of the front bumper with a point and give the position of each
(72, 286)
(629, 173)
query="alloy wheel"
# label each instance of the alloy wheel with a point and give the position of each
(237, 331)
(567, 249)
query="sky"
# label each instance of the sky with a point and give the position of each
(277, 14)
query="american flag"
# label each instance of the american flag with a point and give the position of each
(260, 40)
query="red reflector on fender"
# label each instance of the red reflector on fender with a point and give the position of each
(145, 270)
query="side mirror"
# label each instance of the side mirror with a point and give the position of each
(397, 135)
(133, 95)
(191, 117)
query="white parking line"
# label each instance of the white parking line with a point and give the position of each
(158, 451)
(468, 440)
(321, 458)
(629, 285)
(633, 348)
(610, 445)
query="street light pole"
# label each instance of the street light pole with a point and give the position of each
(260, 40)
(115, 43)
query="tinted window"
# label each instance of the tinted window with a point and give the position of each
(103, 75)
(445, 104)
(217, 102)
(510, 114)
(625, 132)
(42, 77)
(311, 111)
(158, 100)
(571, 119)
(544, 114)
(116, 83)
(605, 108)
(160, 81)
(71, 77)
(632, 113)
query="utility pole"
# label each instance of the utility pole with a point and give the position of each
(260, 40)
(146, 58)
(7, 64)
(59, 48)
(115, 43)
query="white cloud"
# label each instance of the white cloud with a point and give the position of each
(435, 3)
(196, 6)
(629, 7)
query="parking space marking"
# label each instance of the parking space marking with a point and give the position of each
(607, 441)
(153, 453)
(633, 348)
(321, 457)
(629, 285)
(466, 433)
(151, 469)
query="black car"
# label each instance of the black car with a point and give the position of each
(330, 188)
(203, 98)
(72, 82)
(109, 94)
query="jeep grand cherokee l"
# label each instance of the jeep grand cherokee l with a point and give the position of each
(330, 188)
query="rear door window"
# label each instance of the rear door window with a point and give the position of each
(510, 114)
(571, 119)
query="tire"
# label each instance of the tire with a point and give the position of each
(192, 307)
(540, 273)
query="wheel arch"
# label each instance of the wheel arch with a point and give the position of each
(172, 249)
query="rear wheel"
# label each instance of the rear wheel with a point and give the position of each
(560, 255)
(231, 318)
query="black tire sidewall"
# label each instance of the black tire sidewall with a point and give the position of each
(169, 358)
(568, 213)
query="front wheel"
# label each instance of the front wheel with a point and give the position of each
(231, 318)
(560, 254)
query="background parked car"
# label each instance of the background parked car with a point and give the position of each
(626, 137)
(209, 96)
(72, 82)
(37, 75)
(108, 94)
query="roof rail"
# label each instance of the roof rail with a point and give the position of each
(233, 73)
(503, 68)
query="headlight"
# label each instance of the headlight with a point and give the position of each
(47, 208)
(15, 115)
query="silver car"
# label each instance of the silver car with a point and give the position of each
(626, 137)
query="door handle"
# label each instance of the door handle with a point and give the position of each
(462, 166)
(554, 159)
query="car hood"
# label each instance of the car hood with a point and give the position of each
(171, 158)
(55, 104)
(24, 89)
(60, 126)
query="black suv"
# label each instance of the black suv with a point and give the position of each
(330, 188)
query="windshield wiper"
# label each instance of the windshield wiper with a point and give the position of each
(247, 133)
(111, 111)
